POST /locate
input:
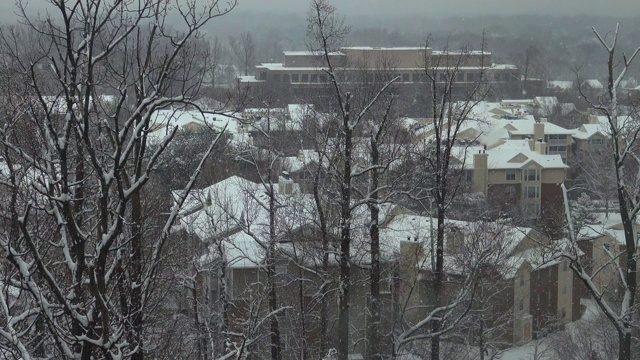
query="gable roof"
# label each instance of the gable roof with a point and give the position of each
(502, 157)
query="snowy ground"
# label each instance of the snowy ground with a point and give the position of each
(527, 351)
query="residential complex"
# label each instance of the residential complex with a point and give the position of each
(232, 218)
(511, 154)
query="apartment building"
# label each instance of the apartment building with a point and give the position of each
(229, 218)
(535, 288)
(490, 124)
(594, 134)
(604, 245)
(520, 175)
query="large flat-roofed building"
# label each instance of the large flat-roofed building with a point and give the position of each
(300, 70)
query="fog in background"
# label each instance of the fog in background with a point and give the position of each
(427, 8)
(559, 29)
(460, 7)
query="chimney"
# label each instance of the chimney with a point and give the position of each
(541, 147)
(480, 171)
(411, 255)
(285, 184)
(538, 131)
(593, 119)
(455, 240)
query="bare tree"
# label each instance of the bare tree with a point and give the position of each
(244, 49)
(217, 56)
(623, 132)
(445, 178)
(86, 260)
(325, 32)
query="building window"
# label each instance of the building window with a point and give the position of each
(314, 78)
(557, 149)
(511, 175)
(532, 192)
(295, 78)
(564, 312)
(521, 304)
(305, 78)
(521, 279)
(471, 77)
(531, 175)
(406, 77)
(565, 265)
(607, 246)
(564, 289)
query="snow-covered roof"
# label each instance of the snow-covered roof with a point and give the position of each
(249, 79)
(298, 163)
(510, 154)
(586, 131)
(282, 67)
(291, 117)
(309, 53)
(499, 238)
(234, 214)
(517, 154)
(163, 121)
(593, 83)
(546, 104)
(399, 48)
(609, 225)
(217, 208)
(559, 84)
(525, 127)
(298, 112)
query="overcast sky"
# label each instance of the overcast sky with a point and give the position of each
(430, 8)
(459, 7)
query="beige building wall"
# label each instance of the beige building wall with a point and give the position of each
(607, 278)
(523, 321)
(480, 172)
(531, 240)
(565, 292)
(553, 176)
(499, 176)
(411, 292)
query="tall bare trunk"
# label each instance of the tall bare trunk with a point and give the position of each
(438, 280)
(374, 234)
(345, 239)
